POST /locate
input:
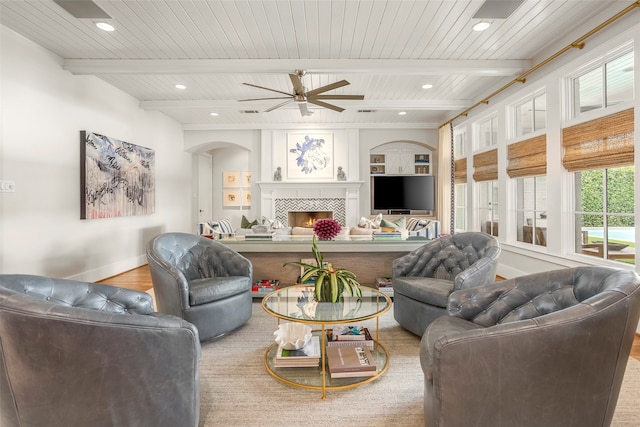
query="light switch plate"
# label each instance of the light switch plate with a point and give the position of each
(7, 186)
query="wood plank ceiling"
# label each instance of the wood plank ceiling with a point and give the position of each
(386, 49)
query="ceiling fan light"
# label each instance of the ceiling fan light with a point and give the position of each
(481, 26)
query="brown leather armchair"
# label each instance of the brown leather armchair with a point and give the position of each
(548, 349)
(85, 354)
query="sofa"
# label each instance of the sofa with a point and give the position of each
(423, 279)
(409, 227)
(85, 354)
(547, 349)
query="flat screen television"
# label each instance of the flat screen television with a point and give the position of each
(403, 192)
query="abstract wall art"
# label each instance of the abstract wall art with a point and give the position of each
(117, 178)
(309, 156)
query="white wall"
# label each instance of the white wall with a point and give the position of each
(267, 149)
(44, 108)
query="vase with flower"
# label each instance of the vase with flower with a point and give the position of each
(326, 228)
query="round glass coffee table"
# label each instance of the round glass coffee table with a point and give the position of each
(298, 304)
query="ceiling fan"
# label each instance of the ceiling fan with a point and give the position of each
(301, 96)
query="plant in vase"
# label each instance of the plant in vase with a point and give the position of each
(330, 283)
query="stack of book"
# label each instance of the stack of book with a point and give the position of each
(307, 356)
(266, 285)
(387, 235)
(383, 282)
(348, 335)
(258, 236)
(353, 360)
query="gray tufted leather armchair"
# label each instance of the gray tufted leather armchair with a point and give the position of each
(202, 281)
(548, 349)
(424, 278)
(85, 354)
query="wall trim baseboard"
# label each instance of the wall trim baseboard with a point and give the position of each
(110, 270)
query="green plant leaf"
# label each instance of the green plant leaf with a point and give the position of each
(334, 288)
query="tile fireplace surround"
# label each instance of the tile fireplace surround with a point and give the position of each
(277, 199)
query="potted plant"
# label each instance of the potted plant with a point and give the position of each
(329, 282)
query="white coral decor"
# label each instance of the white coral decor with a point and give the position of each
(292, 336)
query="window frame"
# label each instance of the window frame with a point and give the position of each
(514, 117)
(478, 139)
(569, 98)
(579, 245)
(537, 214)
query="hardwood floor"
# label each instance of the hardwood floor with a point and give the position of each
(140, 279)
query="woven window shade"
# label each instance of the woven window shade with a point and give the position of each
(485, 166)
(528, 158)
(601, 143)
(460, 170)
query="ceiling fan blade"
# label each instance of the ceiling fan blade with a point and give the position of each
(327, 88)
(279, 105)
(325, 105)
(354, 97)
(303, 109)
(261, 99)
(266, 88)
(297, 84)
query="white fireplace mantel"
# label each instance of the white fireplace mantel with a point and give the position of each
(270, 191)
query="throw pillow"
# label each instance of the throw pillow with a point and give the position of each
(415, 224)
(370, 223)
(398, 224)
(221, 227)
(245, 223)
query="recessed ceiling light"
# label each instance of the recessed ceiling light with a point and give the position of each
(213, 114)
(402, 113)
(481, 26)
(180, 86)
(427, 86)
(104, 26)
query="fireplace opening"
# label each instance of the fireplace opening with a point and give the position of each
(306, 218)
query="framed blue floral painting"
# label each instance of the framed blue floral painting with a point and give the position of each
(309, 155)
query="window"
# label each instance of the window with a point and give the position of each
(487, 133)
(531, 115)
(604, 217)
(609, 84)
(488, 206)
(461, 207)
(459, 143)
(531, 210)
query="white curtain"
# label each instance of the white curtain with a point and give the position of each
(445, 172)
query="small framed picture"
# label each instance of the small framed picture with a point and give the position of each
(246, 197)
(231, 179)
(231, 198)
(246, 178)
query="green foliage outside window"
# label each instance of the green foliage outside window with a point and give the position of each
(620, 196)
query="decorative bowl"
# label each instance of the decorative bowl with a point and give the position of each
(292, 336)
(260, 228)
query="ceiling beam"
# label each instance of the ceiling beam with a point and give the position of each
(423, 67)
(367, 104)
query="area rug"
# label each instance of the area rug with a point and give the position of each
(236, 389)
